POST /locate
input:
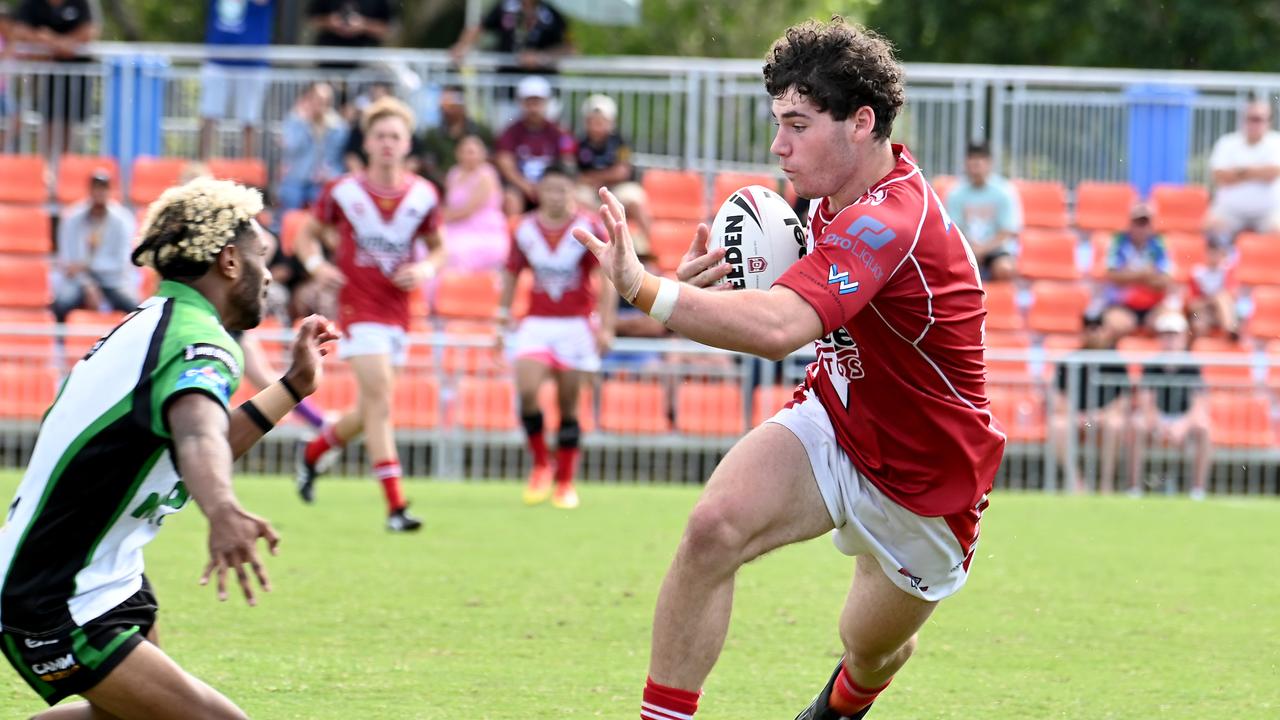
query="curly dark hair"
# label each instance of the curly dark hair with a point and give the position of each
(840, 68)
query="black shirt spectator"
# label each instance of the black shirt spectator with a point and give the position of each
(61, 26)
(530, 29)
(1173, 386)
(350, 23)
(1098, 384)
(613, 150)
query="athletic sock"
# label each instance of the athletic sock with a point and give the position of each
(848, 697)
(323, 443)
(537, 443)
(567, 439)
(667, 703)
(388, 473)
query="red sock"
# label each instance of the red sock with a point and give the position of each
(848, 697)
(388, 473)
(667, 703)
(325, 441)
(538, 446)
(566, 463)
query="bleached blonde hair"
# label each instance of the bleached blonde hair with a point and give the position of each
(189, 224)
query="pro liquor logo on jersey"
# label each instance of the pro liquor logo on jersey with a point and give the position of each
(205, 378)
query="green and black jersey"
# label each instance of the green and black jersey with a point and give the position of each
(101, 477)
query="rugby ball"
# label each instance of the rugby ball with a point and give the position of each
(761, 236)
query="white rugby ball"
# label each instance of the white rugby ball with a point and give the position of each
(761, 236)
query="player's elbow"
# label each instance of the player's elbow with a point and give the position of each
(780, 341)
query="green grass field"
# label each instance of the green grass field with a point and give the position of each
(1077, 608)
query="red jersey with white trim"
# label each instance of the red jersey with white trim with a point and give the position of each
(561, 266)
(377, 231)
(900, 370)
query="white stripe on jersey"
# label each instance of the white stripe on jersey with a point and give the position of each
(388, 242)
(556, 270)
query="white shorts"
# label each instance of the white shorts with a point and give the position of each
(245, 86)
(921, 555)
(564, 343)
(370, 338)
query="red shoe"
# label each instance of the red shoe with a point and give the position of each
(539, 487)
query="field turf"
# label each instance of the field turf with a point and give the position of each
(1078, 607)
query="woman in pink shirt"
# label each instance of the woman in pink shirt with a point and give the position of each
(475, 230)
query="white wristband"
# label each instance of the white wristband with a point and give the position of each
(665, 302)
(313, 262)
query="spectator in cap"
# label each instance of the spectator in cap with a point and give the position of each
(1139, 272)
(532, 30)
(530, 145)
(1171, 409)
(93, 267)
(604, 159)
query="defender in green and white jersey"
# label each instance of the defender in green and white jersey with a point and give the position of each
(141, 425)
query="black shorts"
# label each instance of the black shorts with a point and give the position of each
(65, 97)
(72, 661)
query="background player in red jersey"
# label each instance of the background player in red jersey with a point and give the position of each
(558, 340)
(377, 218)
(889, 440)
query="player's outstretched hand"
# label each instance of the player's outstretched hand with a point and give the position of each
(308, 347)
(701, 268)
(233, 544)
(618, 256)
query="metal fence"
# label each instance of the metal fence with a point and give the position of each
(1064, 124)
(668, 410)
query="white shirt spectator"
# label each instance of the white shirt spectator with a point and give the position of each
(1247, 200)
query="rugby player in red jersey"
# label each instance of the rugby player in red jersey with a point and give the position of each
(889, 441)
(377, 217)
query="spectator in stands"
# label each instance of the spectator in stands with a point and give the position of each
(60, 28)
(350, 24)
(439, 144)
(1246, 177)
(1139, 273)
(313, 138)
(95, 239)
(1171, 407)
(1094, 401)
(1211, 301)
(475, 229)
(353, 155)
(604, 159)
(532, 30)
(988, 211)
(238, 82)
(531, 144)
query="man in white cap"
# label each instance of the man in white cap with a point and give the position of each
(530, 145)
(604, 160)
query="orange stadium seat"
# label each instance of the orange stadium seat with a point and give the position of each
(1265, 321)
(32, 337)
(1104, 206)
(1258, 257)
(290, 225)
(417, 401)
(1002, 306)
(85, 327)
(246, 171)
(152, 176)
(22, 179)
(26, 390)
(1019, 410)
(727, 183)
(25, 229)
(669, 240)
(24, 281)
(467, 295)
(942, 185)
(551, 408)
(486, 404)
(1186, 250)
(1048, 255)
(1007, 367)
(74, 172)
(710, 409)
(1044, 203)
(633, 407)
(676, 194)
(471, 359)
(1058, 307)
(769, 399)
(1240, 420)
(1224, 375)
(1179, 208)
(338, 390)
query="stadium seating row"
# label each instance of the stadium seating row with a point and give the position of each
(24, 178)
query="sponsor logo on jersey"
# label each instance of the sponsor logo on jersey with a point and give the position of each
(205, 351)
(841, 280)
(155, 505)
(206, 378)
(45, 668)
(33, 644)
(871, 231)
(839, 355)
(757, 264)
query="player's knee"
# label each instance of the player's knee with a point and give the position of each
(711, 538)
(861, 656)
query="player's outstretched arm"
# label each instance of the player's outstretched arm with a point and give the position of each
(257, 416)
(771, 324)
(198, 426)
